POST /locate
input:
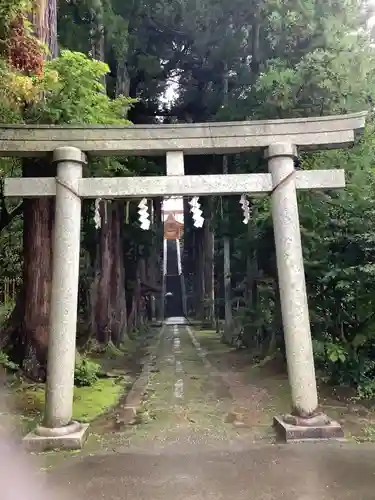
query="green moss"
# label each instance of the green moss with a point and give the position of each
(88, 403)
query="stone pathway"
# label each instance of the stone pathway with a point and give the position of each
(186, 402)
(185, 448)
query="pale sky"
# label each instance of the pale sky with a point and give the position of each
(174, 204)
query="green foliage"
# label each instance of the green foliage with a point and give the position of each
(11, 235)
(86, 372)
(74, 94)
(234, 60)
(347, 364)
(339, 250)
(10, 110)
(10, 8)
(70, 91)
(280, 60)
(6, 363)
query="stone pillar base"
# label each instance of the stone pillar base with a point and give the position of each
(292, 429)
(56, 439)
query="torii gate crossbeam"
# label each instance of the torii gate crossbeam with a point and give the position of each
(280, 140)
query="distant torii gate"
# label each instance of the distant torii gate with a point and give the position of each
(280, 140)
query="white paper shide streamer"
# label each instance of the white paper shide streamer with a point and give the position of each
(196, 211)
(144, 215)
(244, 202)
(97, 218)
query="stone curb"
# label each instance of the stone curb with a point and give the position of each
(134, 399)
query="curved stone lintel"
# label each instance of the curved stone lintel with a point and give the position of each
(197, 138)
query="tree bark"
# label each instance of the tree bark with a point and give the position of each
(134, 319)
(158, 249)
(200, 281)
(118, 323)
(108, 292)
(110, 311)
(44, 21)
(97, 31)
(251, 265)
(226, 240)
(38, 224)
(209, 265)
(101, 292)
(26, 334)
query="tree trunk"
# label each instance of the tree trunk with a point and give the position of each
(123, 78)
(158, 221)
(25, 336)
(97, 31)
(37, 243)
(251, 265)
(118, 299)
(227, 289)
(102, 302)
(108, 292)
(200, 281)
(134, 319)
(226, 241)
(110, 316)
(152, 278)
(44, 20)
(188, 263)
(209, 265)
(26, 333)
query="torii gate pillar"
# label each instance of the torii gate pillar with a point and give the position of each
(305, 422)
(291, 277)
(58, 426)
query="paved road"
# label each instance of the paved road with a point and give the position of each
(185, 451)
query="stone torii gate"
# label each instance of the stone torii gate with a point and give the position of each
(280, 140)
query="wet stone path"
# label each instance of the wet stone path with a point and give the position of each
(186, 403)
(183, 446)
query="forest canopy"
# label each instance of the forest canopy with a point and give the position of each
(115, 61)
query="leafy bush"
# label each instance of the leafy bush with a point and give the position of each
(86, 372)
(6, 363)
(348, 363)
(74, 93)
